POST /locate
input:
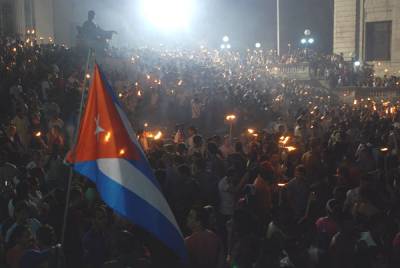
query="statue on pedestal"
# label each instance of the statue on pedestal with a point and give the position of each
(90, 35)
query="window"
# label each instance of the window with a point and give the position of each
(378, 40)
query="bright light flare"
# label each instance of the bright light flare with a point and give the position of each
(107, 137)
(38, 134)
(168, 15)
(230, 117)
(158, 135)
(290, 148)
(250, 130)
(283, 140)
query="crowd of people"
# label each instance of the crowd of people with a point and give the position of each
(259, 171)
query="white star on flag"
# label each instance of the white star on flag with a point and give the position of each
(99, 129)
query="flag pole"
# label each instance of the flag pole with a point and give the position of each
(71, 173)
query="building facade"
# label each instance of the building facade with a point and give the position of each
(23, 18)
(368, 31)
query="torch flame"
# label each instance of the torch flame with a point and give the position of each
(107, 136)
(158, 135)
(290, 148)
(230, 117)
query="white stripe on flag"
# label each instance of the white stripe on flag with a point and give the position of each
(125, 174)
(128, 127)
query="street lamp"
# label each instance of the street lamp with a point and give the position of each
(257, 45)
(311, 40)
(228, 46)
(304, 41)
(222, 46)
(225, 39)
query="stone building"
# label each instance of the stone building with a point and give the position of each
(27, 18)
(368, 31)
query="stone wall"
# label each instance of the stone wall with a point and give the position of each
(345, 30)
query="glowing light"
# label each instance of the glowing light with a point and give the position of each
(168, 15)
(33, 31)
(357, 63)
(228, 46)
(120, 95)
(257, 45)
(311, 41)
(14, 49)
(180, 83)
(88, 76)
(384, 149)
(225, 39)
(230, 117)
(158, 135)
(303, 41)
(250, 131)
(146, 124)
(282, 184)
(139, 93)
(122, 152)
(107, 137)
(290, 148)
(222, 46)
(284, 139)
(148, 77)
(38, 134)
(355, 102)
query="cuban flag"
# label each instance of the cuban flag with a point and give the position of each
(108, 153)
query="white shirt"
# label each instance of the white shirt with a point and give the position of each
(227, 200)
(196, 110)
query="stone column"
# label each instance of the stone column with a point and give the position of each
(395, 46)
(20, 26)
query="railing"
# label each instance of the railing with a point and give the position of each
(369, 92)
(300, 71)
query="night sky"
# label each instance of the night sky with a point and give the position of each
(252, 20)
(245, 21)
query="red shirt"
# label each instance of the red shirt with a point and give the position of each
(204, 249)
(326, 225)
(14, 256)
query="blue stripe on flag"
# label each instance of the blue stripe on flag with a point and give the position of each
(134, 208)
